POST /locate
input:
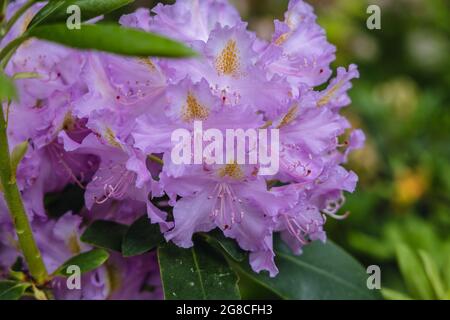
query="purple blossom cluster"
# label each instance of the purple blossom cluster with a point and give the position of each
(104, 123)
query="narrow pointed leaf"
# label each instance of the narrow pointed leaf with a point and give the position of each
(46, 11)
(196, 273)
(142, 236)
(446, 271)
(112, 38)
(390, 294)
(56, 11)
(413, 273)
(11, 290)
(86, 261)
(432, 272)
(105, 234)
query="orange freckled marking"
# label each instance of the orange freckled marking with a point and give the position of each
(282, 39)
(68, 122)
(114, 276)
(289, 117)
(147, 62)
(330, 94)
(193, 110)
(227, 63)
(111, 138)
(73, 244)
(232, 170)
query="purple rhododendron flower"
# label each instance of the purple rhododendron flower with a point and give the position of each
(97, 120)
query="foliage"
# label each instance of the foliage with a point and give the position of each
(400, 215)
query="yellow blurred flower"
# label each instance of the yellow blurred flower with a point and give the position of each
(409, 186)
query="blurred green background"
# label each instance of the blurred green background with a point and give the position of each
(400, 213)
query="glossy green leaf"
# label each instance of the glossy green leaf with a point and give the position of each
(56, 11)
(447, 270)
(390, 294)
(11, 290)
(105, 234)
(433, 275)
(46, 11)
(196, 273)
(322, 272)
(414, 275)
(142, 236)
(216, 238)
(86, 261)
(112, 38)
(7, 88)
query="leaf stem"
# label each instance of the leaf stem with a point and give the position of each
(16, 208)
(11, 191)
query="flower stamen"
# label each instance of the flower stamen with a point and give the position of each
(227, 63)
(193, 110)
(226, 209)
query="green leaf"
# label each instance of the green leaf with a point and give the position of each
(446, 268)
(112, 38)
(46, 12)
(322, 272)
(196, 273)
(86, 261)
(447, 295)
(413, 273)
(7, 88)
(105, 234)
(11, 290)
(432, 272)
(17, 155)
(56, 11)
(377, 248)
(217, 239)
(142, 236)
(390, 294)
(39, 294)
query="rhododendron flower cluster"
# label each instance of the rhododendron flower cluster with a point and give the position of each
(104, 123)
